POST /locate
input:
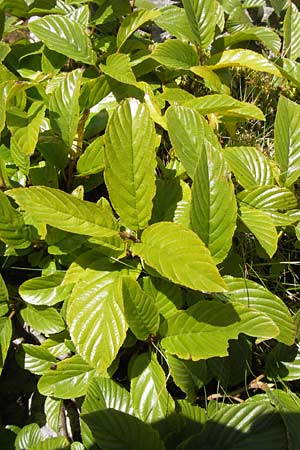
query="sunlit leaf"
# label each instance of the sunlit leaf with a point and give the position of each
(13, 230)
(95, 315)
(249, 165)
(64, 106)
(242, 58)
(175, 54)
(213, 205)
(134, 21)
(262, 226)
(118, 67)
(37, 359)
(65, 211)
(64, 36)
(179, 255)
(140, 310)
(130, 163)
(287, 140)
(291, 28)
(45, 290)
(69, 379)
(203, 331)
(257, 297)
(202, 16)
(150, 398)
(268, 198)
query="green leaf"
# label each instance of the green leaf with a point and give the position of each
(95, 315)
(283, 363)
(103, 393)
(93, 91)
(179, 255)
(203, 331)
(202, 18)
(13, 231)
(115, 429)
(172, 201)
(150, 398)
(134, 21)
(174, 20)
(140, 310)
(118, 67)
(189, 376)
(186, 129)
(69, 379)
(211, 80)
(92, 160)
(242, 58)
(15, 7)
(130, 162)
(166, 296)
(268, 37)
(213, 205)
(45, 290)
(175, 54)
(262, 226)
(25, 137)
(4, 298)
(291, 30)
(64, 106)
(65, 211)
(64, 36)
(250, 167)
(287, 140)
(28, 436)
(232, 370)
(54, 443)
(43, 319)
(52, 409)
(5, 337)
(225, 105)
(253, 425)
(21, 160)
(257, 297)
(288, 405)
(37, 359)
(290, 69)
(268, 198)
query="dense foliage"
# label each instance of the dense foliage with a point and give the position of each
(149, 225)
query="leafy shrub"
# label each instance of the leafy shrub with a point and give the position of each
(149, 228)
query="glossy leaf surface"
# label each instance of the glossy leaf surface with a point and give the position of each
(65, 211)
(250, 167)
(140, 310)
(65, 36)
(202, 18)
(95, 315)
(262, 226)
(64, 106)
(204, 329)
(213, 205)
(130, 163)
(68, 380)
(150, 398)
(179, 255)
(242, 58)
(287, 147)
(256, 296)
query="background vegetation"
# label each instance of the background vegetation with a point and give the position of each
(149, 225)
